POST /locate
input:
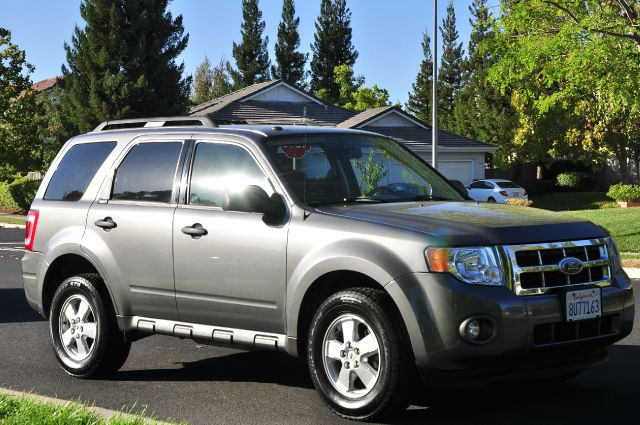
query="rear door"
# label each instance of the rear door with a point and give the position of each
(233, 275)
(130, 228)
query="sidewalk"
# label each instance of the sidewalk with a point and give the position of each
(12, 225)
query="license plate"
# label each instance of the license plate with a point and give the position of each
(583, 304)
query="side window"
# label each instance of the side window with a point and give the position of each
(218, 167)
(488, 185)
(76, 170)
(478, 185)
(147, 173)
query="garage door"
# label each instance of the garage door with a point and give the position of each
(462, 170)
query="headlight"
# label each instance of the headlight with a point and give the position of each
(614, 255)
(475, 265)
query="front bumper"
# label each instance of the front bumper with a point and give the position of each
(434, 305)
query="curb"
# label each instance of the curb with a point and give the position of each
(633, 273)
(103, 413)
(12, 226)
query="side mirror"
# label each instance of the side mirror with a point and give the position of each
(254, 199)
(457, 184)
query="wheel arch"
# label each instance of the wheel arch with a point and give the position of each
(65, 266)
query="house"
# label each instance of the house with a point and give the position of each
(277, 102)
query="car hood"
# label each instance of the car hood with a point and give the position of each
(472, 223)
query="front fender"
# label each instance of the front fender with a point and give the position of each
(374, 260)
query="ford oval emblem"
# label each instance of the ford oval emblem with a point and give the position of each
(570, 265)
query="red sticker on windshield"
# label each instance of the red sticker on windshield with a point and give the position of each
(295, 151)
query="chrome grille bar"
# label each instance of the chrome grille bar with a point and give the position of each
(540, 276)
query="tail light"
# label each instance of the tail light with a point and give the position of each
(503, 193)
(30, 229)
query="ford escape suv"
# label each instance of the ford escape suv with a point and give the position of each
(338, 246)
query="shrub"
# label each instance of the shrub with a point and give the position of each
(541, 187)
(608, 205)
(519, 202)
(23, 190)
(575, 181)
(7, 203)
(564, 166)
(624, 193)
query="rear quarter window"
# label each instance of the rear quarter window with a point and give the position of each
(76, 170)
(508, 185)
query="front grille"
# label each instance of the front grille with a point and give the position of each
(536, 268)
(552, 333)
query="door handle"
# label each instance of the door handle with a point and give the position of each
(195, 231)
(106, 223)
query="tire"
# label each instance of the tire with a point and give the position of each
(388, 373)
(491, 200)
(86, 339)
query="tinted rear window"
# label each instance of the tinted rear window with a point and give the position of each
(507, 185)
(76, 170)
(147, 173)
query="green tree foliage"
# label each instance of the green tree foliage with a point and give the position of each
(251, 54)
(122, 64)
(372, 170)
(572, 71)
(481, 112)
(352, 94)
(202, 83)
(19, 111)
(420, 98)
(289, 62)
(222, 84)
(450, 74)
(331, 47)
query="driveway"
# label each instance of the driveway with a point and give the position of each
(202, 385)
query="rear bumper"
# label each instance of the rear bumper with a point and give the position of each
(434, 305)
(31, 266)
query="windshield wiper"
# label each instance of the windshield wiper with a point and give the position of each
(420, 198)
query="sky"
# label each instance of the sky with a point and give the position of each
(386, 33)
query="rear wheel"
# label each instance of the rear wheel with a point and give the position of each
(491, 199)
(358, 358)
(85, 337)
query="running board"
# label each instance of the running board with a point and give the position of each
(214, 335)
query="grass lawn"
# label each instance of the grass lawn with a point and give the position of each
(567, 201)
(624, 226)
(23, 410)
(12, 220)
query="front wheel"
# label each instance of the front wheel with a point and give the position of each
(85, 337)
(359, 360)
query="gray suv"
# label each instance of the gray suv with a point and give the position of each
(340, 247)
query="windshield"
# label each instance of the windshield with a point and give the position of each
(350, 168)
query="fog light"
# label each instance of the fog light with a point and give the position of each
(473, 329)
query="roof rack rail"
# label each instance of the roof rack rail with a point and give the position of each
(156, 122)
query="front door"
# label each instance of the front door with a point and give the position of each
(131, 231)
(233, 273)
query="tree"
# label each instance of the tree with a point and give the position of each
(352, 94)
(221, 84)
(572, 72)
(202, 83)
(251, 54)
(420, 98)
(481, 112)
(19, 112)
(122, 64)
(450, 75)
(289, 62)
(331, 47)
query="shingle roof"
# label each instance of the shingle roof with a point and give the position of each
(271, 112)
(220, 102)
(420, 138)
(364, 116)
(43, 85)
(232, 109)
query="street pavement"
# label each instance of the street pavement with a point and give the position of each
(179, 379)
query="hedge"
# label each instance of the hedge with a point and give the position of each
(18, 195)
(624, 193)
(575, 181)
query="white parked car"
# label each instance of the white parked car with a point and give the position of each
(495, 190)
